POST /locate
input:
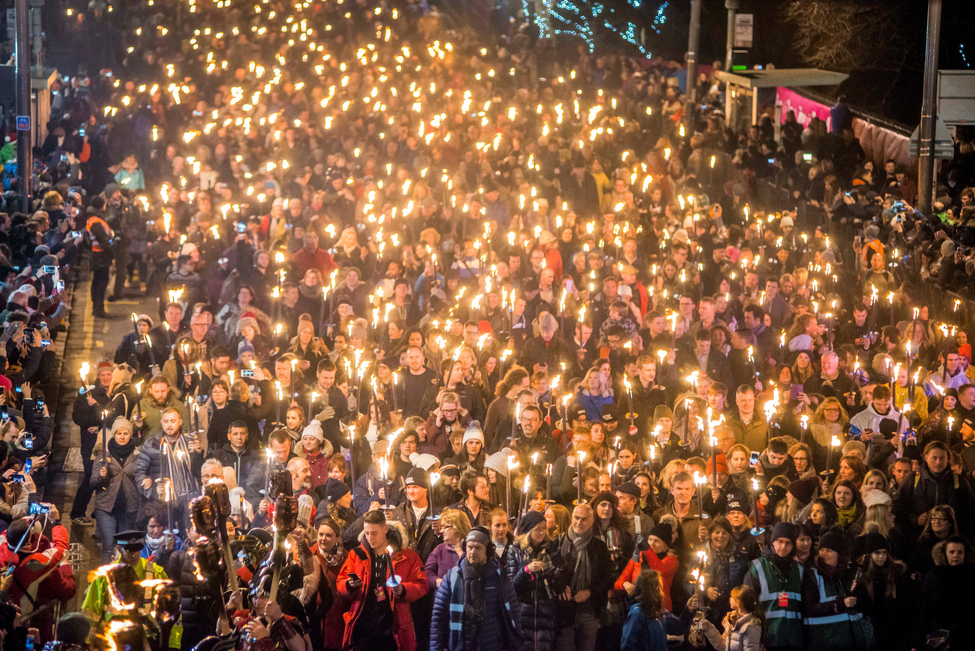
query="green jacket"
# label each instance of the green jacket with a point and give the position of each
(827, 622)
(152, 414)
(781, 597)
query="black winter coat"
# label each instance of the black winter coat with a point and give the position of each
(946, 601)
(537, 594)
(922, 491)
(601, 576)
(197, 606)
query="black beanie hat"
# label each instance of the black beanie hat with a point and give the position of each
(785, 530)
(664, 532)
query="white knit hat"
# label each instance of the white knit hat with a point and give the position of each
(423, 461)
(873, 496)
(313, 429)
(474, 433)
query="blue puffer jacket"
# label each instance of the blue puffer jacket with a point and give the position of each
(501, 627)
(537, 594)
(641, 633)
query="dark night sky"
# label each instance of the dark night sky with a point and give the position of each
(894, 93)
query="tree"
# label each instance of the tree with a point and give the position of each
(600, 24)
(842, 35)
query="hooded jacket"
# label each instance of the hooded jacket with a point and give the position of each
(946, 600)
(923, 490)
(537, 594)
(501, 626)
(869, 419)
(39, 572)
(404, 563)
(786, 469)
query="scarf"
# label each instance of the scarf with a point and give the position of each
(121, 452)
(581, 575)
(846, 516)
(611, 536)
(153, 544)
(473, 602)
(782, 563)
(823, 433)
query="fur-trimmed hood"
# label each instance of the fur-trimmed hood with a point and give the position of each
(940, 557)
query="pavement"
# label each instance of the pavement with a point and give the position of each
(87, 339)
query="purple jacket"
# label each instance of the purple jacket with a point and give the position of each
(441, 559)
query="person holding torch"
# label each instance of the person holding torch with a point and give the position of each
(87, 414)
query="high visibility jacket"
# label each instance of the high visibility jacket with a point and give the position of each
(98, 606)
(827, 623)
(781, 597)
(96, 246)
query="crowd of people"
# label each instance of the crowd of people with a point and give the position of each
(474, 341)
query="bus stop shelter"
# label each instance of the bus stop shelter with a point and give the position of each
(746, 84)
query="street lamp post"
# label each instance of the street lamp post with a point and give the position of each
(24, 55)
(929, 109)
(693, 42)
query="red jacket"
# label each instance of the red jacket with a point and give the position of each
(553, 260)
(407, 565)
(666, 567)
(320, 259)
(333, 624)
(38, 572)
(318, 464)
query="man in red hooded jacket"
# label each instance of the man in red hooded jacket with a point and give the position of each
(381, 577)
(39, 576)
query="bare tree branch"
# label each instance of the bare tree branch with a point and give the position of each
(843, 35)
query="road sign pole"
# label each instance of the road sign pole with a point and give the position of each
(24, 56)
(925, 149)
(732, 7)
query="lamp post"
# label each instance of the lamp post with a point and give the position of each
(929, 110)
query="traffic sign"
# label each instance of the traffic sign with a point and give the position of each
(23, 123)
(944, 146)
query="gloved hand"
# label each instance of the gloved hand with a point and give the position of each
(354, 583)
